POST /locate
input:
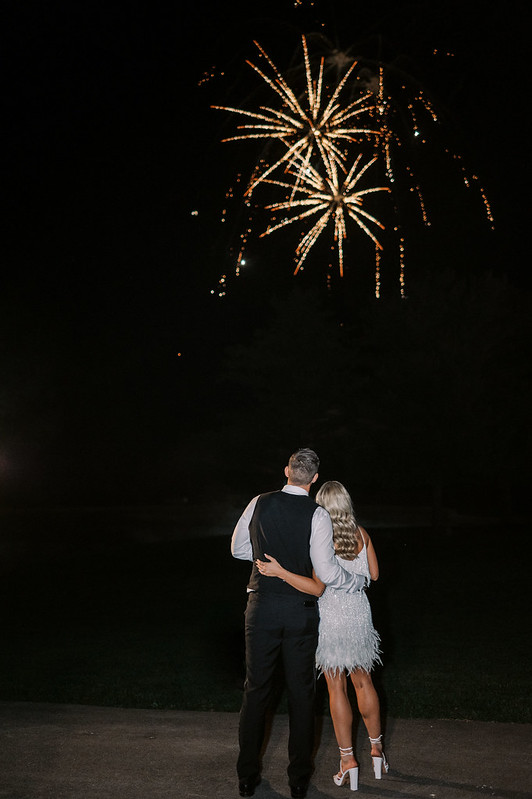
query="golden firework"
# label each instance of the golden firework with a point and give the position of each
(313, 123)
(333, 195)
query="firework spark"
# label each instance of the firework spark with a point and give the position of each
(400, 113)
(333, 196)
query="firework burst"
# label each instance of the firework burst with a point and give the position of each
(373, 112)
(333, 196)
(307, 126)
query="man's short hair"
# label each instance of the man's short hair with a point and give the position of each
(302, 466)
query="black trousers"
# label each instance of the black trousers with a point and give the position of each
(279, 627)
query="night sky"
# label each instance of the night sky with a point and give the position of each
(111, 341)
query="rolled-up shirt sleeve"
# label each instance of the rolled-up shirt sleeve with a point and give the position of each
(323, 558)
(240, 542)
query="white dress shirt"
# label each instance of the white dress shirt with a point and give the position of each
(322, 553)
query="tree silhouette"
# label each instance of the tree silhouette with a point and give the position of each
(424, 394)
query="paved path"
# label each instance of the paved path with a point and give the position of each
(76, 752)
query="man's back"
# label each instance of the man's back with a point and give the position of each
(281, 526)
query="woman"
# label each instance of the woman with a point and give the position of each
(348, 643)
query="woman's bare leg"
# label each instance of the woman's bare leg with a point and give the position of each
(368, 706)
(342, 715)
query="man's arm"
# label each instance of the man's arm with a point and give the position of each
(240, 542)
(323, 558)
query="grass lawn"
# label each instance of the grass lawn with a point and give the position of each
(97, 617)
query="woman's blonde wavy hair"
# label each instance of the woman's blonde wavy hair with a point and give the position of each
(334, 497)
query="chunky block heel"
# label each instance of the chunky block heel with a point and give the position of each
(380, 763)
(341, 777)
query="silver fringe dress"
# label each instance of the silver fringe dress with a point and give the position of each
(347, 637)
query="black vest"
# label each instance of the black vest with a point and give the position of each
(281, 525)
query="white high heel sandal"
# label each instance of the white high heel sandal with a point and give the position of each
(380, 763)
(340, 778)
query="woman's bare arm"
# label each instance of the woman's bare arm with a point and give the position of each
(308, 585)
(373, 563)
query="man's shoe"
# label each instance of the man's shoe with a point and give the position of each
(247, 787)
(298, 791)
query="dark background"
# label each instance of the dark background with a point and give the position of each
(125, 380)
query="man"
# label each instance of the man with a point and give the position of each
(281, 622)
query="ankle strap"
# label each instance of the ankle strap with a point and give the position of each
(375, 740)
(346, 752)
